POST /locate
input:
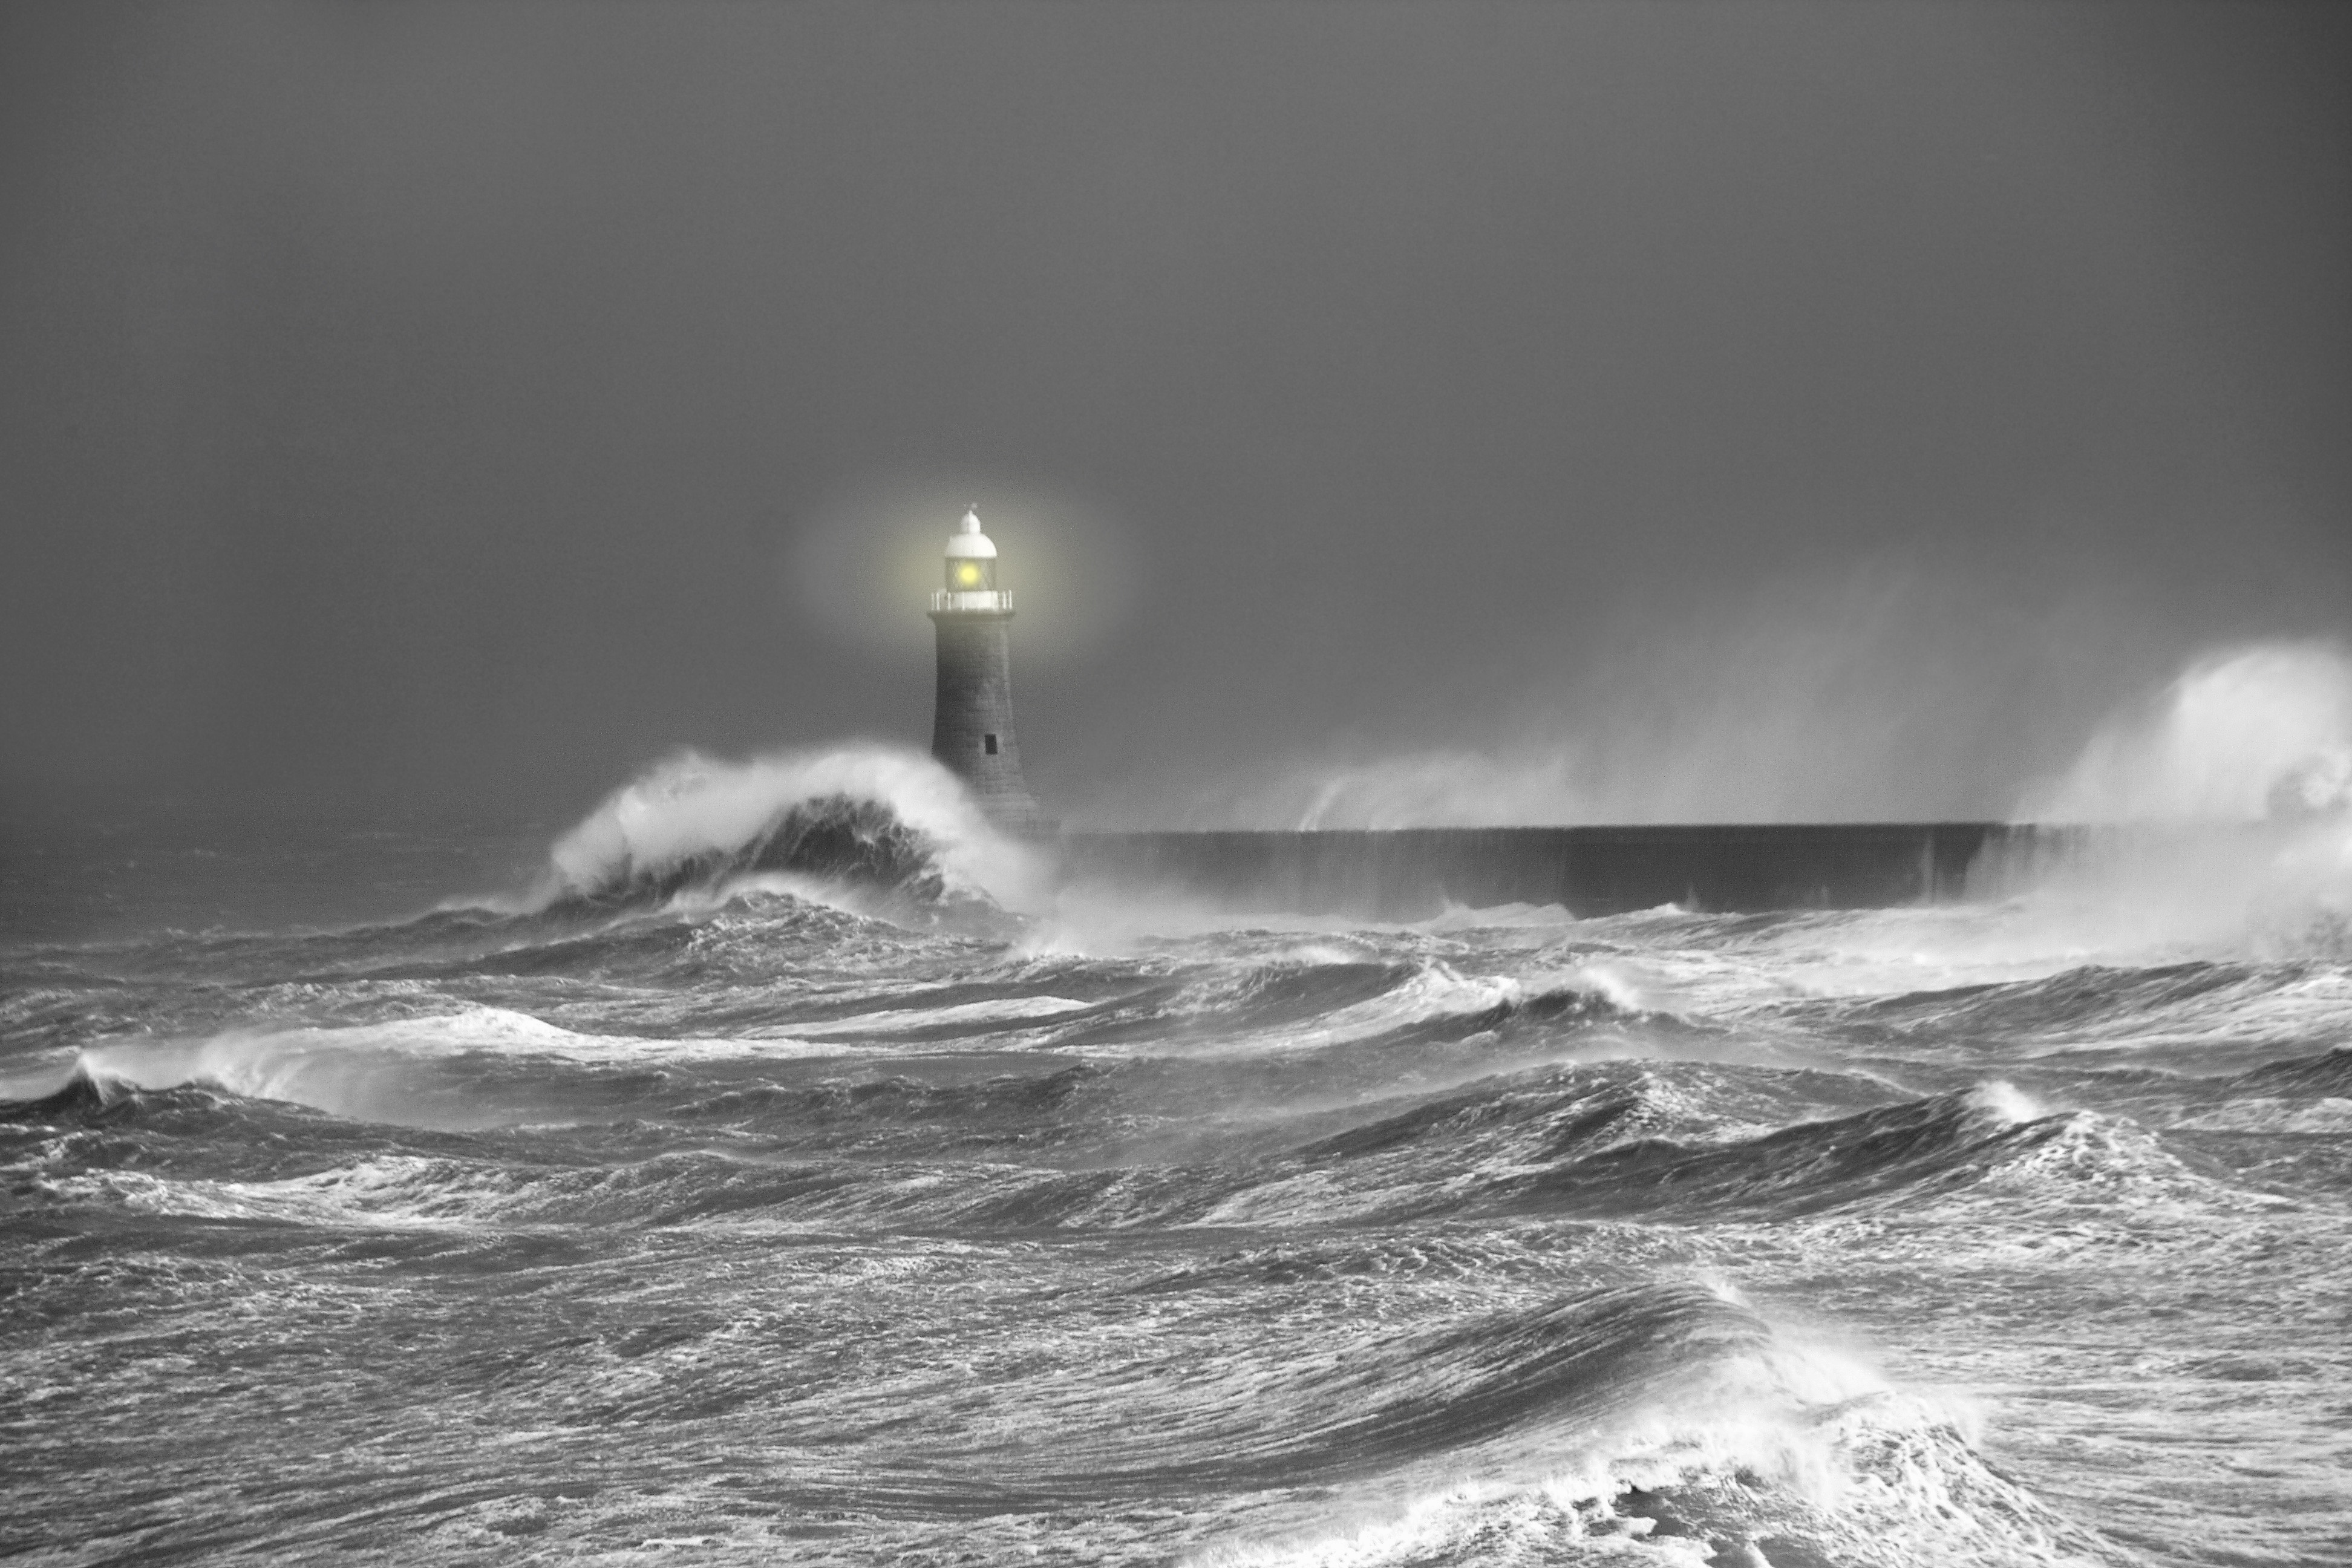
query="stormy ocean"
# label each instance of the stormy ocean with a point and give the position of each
(782, 1169)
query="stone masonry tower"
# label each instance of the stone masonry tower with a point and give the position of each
(972, 728)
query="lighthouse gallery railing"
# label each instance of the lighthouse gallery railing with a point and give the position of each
(981, 599)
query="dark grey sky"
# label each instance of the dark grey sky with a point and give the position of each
(1666, 409)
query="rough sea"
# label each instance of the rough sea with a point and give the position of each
(781, 1171)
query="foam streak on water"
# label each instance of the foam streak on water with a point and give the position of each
(776, 1194)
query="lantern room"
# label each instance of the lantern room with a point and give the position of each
(971, 558)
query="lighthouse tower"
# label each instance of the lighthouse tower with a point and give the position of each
(972, 728)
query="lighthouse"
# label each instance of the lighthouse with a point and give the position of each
(971, 727)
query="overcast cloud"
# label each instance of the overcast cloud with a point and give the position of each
(1629, 411)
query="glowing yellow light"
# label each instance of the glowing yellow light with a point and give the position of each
(968, 575)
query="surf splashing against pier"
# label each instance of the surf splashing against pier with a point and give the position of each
(2241, 735)
(2215, 813)
(785, 1176)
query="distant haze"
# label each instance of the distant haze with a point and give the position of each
(1442, 411)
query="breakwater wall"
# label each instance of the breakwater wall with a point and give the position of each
(1407, 874)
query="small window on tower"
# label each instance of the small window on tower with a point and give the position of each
(990, 742)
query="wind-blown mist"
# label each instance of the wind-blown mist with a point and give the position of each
(1797, 716)
(1851, 696)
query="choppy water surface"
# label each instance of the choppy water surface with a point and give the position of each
(734, 1224)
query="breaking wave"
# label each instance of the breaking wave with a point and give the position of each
(888, 823)
(1769, 1454)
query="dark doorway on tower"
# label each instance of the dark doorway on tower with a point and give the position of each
(990, 742)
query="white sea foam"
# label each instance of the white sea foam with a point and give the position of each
(400, 1191)
(1498, 918)
(2006, 1103)
(2329, 1117)
(1011, 1011)
(2107, 1182)
(363, 1069)
(1433, 991)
